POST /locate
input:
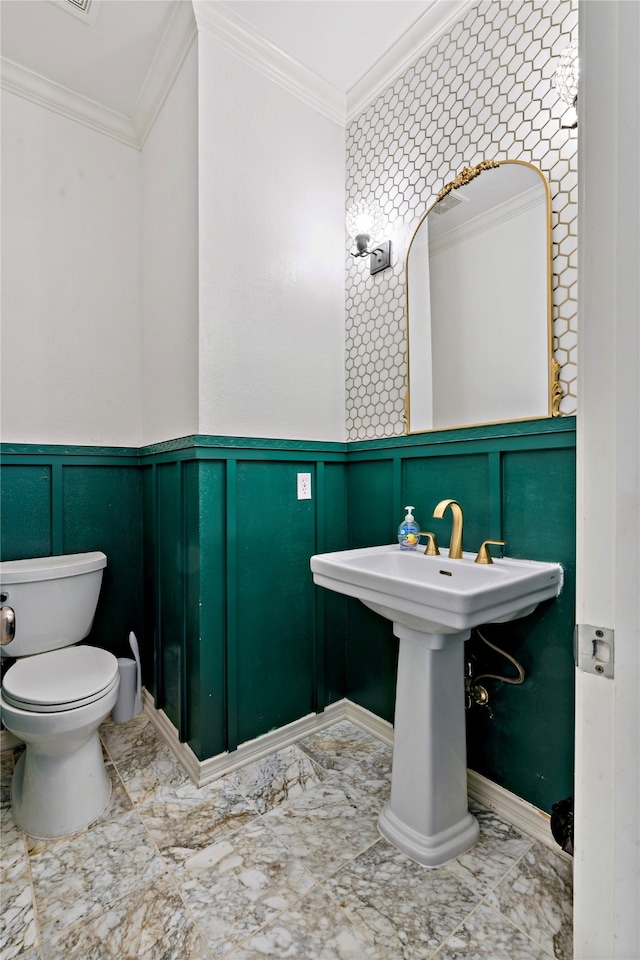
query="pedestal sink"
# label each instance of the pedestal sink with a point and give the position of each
(434, 603)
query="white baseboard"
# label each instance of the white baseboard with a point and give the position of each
(204, 771)
(523, 815)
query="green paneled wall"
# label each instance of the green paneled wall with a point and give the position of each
(275, 636)
(25, 530)
(238, 633)
(208, 561)
(57, 500)
(515, 482)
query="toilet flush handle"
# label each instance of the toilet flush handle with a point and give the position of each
(7, 625)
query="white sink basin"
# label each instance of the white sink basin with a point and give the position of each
(435, 594)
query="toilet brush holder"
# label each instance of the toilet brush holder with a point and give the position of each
(127, 704)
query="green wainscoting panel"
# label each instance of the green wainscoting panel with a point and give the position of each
(208, 561)
(370, 502)
(150, 650)
(171, 584)
(102, 510)
(275, 598)
(529, 739)
(515, 482)
(25, 511)
(331, 608)
(205, 510)
(372, 650)
(242, 641)
(59, 500)
(463, 478)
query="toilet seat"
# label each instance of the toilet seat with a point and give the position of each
(60, 680)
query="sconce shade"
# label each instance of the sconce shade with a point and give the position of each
(365, 218)
(565, 78)
(366, 224)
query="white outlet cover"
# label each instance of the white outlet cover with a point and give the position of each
(304, 486)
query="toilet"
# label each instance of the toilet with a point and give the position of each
(56, 694)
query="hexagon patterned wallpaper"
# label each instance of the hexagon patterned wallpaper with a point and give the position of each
(483, 91)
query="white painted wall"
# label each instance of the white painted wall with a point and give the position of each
(71, 348)
(196, 287)
(170, 263)
(271, 258)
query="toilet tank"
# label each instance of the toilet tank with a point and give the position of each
(54, 600)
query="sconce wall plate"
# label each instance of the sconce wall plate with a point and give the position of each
(380, 257)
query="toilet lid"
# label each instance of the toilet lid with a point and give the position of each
(61, 679)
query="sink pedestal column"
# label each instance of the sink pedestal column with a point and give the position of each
(427, 817)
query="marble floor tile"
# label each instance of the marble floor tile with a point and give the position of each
(150, 770)
(118, 804)
(315, 928)
(13, 839)
(240, 883)
(406, 910)
(151, 923)
(496, 851)
(18, 931)
(486, 935)
(371, 777)
(123, 739)
(281, 859)
(83, 875)
(184, 820)
(536, 895)
(337, 746)
(326, 827)
(6, 775)
(13, 843)
(281, 776)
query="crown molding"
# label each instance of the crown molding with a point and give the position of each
(36, 88)
(427, 30)
(172, 51)
(234, 34)
(133, 131)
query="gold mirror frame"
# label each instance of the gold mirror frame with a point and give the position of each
(555, 391)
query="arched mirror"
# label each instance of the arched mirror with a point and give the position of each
(478, 300)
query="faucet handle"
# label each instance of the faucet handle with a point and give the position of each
(432, 546)
(483, 553)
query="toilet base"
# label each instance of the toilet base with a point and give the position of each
(55, 796)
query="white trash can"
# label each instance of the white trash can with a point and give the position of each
(125, 708)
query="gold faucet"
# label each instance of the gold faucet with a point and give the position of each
(455, 546)
(483, 553)
(432, 544)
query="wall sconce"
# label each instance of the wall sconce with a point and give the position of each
(365, 222)
(565, 80)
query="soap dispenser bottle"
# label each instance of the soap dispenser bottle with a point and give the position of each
(409, 531)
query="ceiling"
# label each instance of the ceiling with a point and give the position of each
(107, 52)
(339, 40)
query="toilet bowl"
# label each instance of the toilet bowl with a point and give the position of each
(56, 694)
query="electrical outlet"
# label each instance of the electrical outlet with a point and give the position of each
(304, 486)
